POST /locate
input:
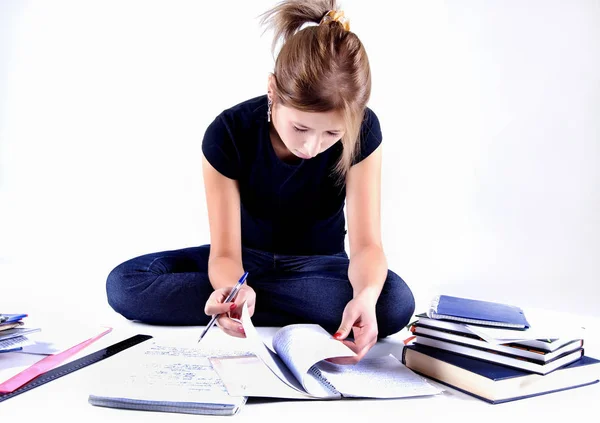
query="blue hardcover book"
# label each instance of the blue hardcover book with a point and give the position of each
(492, 382)
(477, 312)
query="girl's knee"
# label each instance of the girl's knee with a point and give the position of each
(123, 290)
(395, 307)
(115, 291)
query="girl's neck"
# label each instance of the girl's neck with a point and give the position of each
(279, 147)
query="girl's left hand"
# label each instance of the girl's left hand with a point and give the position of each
(359, 316)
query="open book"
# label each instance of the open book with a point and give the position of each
(296, 368)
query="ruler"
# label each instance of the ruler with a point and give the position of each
(75, 365)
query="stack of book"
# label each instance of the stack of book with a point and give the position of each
(489, 350)
(12, 333)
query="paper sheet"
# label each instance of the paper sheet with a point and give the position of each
(271, 360)
(302, 346)
(250, 376)
(543, 326)
(381, 377)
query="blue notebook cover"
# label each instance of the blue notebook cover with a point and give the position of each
(11, 350)
(472, 311)
(492, 371)
(11, 318)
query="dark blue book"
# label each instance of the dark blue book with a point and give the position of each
(477, 312)
(492, 382)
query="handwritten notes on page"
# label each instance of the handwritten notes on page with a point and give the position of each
(151, 376)
(378, 377)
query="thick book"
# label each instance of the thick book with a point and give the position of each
(477, 312)
(546, 344)
(495, 383)
(510, 349)
(531, 365)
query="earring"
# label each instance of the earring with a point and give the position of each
(269, 104)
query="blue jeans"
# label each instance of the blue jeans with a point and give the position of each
(171, 288)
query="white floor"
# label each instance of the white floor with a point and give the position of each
(63, 311)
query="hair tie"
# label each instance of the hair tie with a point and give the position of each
(336, 16)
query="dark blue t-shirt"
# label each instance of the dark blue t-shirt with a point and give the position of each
(295, 209)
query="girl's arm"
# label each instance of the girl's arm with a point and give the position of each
(223, 202)
(368, 266)
(225, 260)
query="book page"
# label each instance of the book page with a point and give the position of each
(541, 330)
(544, 325)
(250, 376)
(271, 359)
(378, 377)
(303, 345)
(164, 373)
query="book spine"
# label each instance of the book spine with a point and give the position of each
(403, 357)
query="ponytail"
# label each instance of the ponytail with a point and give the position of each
(321, 67)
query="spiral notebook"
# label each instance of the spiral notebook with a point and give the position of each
(477, 312)
(163, 376)
(296, 368)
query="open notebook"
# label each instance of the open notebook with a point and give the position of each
(297, 369)
(168, 376)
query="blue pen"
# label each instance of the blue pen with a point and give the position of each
(229, 298)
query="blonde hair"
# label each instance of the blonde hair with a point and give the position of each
(321, 67)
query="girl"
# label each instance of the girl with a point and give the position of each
(278, 170)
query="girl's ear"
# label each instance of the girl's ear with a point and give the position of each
(271, 84)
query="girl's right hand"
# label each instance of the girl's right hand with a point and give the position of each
(230, 311)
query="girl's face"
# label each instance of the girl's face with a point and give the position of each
(307, 134)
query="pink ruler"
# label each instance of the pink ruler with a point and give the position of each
(45, 364)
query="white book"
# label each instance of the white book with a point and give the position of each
(510, 349)
(503, 336)
(500, 358)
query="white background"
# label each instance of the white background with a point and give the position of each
(490, 114)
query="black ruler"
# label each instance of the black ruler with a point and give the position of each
(75, 365)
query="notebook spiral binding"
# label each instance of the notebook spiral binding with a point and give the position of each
(319, 376)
